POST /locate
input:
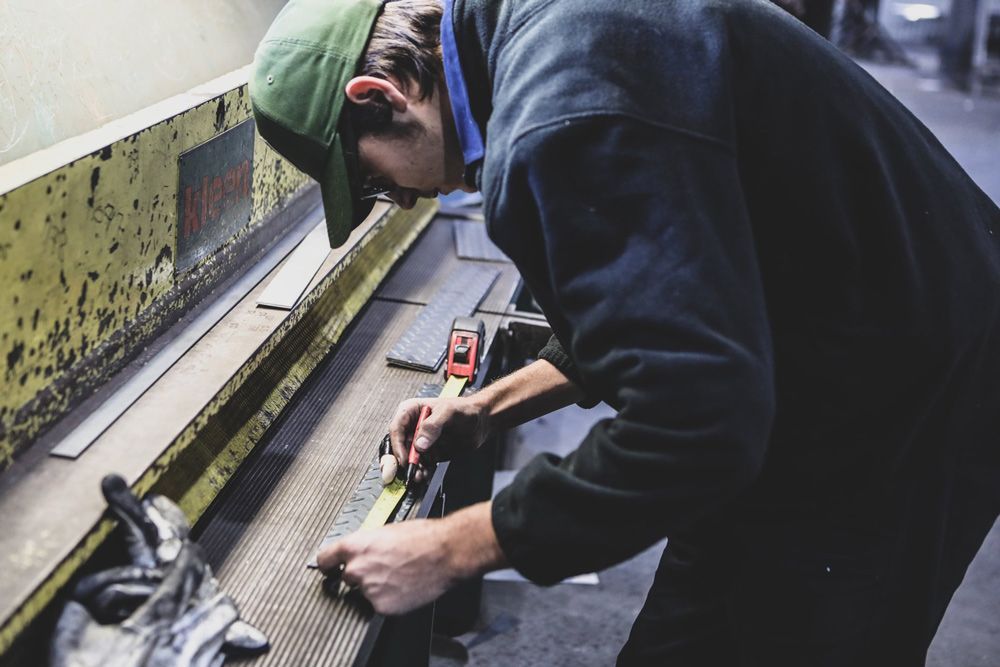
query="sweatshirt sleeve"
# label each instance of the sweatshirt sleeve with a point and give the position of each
(554, 353)
(651, 278)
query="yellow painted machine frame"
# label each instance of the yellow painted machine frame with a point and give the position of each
(87, 254)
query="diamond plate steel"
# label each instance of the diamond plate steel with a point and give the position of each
(424, 344)
(471, 242)
(430, 390)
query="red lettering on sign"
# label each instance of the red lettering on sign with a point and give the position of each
(245, 178)
(204, 201)
(214, 197)
(191, 205)
(229, 186)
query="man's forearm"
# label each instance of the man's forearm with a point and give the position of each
(533, 391)
(471, 542)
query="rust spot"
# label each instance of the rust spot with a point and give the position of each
(15, 355)
(220, 115)
(80, 302)
(165, 255)
(95, 177)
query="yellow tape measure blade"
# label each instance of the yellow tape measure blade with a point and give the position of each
(384, 505)
(453, 387)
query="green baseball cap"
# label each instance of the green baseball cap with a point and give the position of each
(297, 82)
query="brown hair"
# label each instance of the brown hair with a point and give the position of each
(405, 44)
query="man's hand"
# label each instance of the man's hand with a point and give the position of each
(458, 425)
(403, 566)
(455, 425)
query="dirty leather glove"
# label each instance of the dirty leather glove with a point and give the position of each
(169, 610)
(182, 624)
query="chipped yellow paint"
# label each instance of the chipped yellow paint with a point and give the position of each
(304, 338)
(87, 262)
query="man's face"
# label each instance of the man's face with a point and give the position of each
(422, 158)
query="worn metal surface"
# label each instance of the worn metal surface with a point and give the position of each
(209, 412)
(434, 257)
(87, 256)
(425, 342)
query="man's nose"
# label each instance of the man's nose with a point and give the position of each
(404, 198)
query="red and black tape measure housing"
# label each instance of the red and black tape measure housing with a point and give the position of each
(465, 347)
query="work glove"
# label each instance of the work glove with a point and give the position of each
(163, 609)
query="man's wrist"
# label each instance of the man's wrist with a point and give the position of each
(471, 542)
(485, 401)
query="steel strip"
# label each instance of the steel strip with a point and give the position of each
(104, 416)
(425, 342)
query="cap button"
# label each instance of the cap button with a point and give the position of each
(270, 78)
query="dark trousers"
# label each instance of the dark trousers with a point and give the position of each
(787, 597)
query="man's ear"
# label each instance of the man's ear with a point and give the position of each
(362, 89)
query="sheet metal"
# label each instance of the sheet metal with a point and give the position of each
(425, 342)
(434, 257)
(286, 288)
(472, 242)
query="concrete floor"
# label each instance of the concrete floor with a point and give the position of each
(582, 625)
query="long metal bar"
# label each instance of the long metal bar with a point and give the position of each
(74, 444)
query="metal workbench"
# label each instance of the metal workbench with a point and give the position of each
(261, 532)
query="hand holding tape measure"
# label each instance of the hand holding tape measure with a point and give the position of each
(436, 429)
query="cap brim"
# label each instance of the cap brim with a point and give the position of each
(340, 187)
